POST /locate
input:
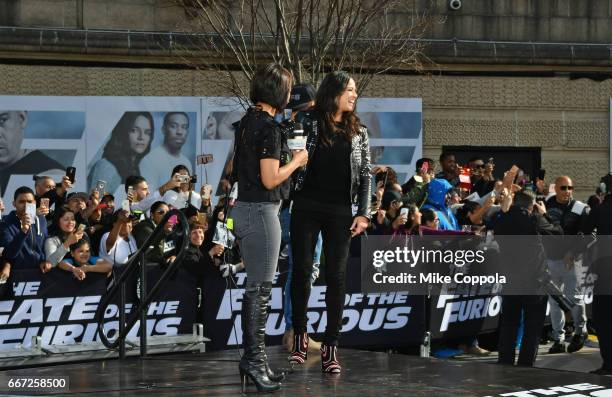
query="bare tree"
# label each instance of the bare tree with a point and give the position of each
(309, 37)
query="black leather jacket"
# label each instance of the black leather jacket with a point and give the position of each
(361, 179)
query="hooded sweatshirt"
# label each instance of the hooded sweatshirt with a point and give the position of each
(23, 250)
(436, 200)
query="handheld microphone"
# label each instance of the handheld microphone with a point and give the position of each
(233, 196)
(297, 140)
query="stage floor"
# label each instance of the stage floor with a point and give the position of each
(364, 374)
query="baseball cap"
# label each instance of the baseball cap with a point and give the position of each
(80, 195)
(607, 181)
(301, 95)
(388, 197)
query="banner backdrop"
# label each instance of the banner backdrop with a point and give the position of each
(109, 138)
(387, 319)
(60, 309)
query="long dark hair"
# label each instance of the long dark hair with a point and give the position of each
(326, 106)
(55, 230)
(118, 150)
(412, 209)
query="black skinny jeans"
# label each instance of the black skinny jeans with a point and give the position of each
(305, 228)
(534, 311)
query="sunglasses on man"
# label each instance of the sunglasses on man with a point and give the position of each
(566, 188)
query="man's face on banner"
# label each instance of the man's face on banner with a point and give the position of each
(175, 131)
(12, 126)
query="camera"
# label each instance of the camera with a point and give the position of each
(187, 178)
(204, 159)
(454, 4)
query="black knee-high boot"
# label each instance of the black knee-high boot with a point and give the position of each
(254, 364)
(266, 291)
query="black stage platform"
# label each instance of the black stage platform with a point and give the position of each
(365, 374)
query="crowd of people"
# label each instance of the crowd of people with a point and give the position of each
(51, 227)
(306, 202)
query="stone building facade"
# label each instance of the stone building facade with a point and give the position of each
(546, 99)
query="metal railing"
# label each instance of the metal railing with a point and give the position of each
(137, 261)
(156, 43)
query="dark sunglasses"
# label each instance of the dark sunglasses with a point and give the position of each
(161, 212)
(564, 188)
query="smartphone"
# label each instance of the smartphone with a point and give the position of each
(125, 205)
(404, 211)
(287, 114)
(207, 192)
(130, 191)
(100, 186)
(204, 159)
(71, 173)
(173, 220)
(30, 209)
(81, 227)
(382, 177)
(44, 202)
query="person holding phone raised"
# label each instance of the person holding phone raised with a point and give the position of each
(63, 233)
(23, 233)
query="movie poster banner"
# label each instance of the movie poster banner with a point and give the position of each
(109, 138)
(60, 310)
(369, 320)
(105, 138)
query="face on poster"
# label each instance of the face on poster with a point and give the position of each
(108, 138)
(37, 137)
(148, 142)
(105, 138)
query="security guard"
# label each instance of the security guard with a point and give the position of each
(600, 219)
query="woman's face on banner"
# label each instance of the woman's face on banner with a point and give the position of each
(140, 135)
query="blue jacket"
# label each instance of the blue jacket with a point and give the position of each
(436, 200)
(23, 250)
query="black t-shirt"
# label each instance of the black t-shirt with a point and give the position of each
(32, 163)
(328, 181)
(259, 137)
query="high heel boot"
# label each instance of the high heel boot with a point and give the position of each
(299, 353)
(253, 364)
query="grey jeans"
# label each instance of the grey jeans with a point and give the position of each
(258, 231)
(567, 280)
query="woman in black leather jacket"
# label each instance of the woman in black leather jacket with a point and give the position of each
(337, 176)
